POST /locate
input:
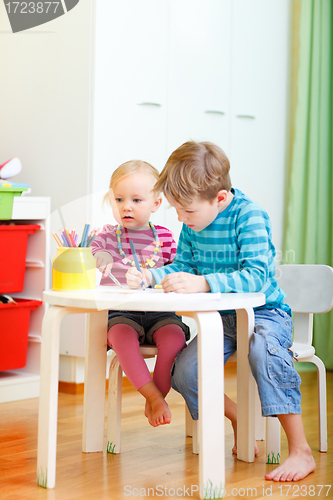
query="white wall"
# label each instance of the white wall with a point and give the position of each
(45, 103)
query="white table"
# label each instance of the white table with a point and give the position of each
(201, 306)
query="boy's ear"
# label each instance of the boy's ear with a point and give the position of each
(157, 204)
(222, 197)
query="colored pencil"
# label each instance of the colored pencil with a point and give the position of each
(114, 279)
(84, 235)
(64, 240)
(70, 238)
(137, 265)
(55, 236)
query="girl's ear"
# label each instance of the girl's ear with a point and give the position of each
(222, 197)
(157, 204)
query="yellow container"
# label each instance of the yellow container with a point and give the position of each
(73, 269)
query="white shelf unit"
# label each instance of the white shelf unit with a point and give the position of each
(24, 383)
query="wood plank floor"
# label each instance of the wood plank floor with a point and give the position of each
(154, 462)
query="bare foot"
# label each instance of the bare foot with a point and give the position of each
(156, 409)
(158, 413)
(297, 466)
(148, 411)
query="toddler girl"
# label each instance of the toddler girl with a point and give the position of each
(133, 200)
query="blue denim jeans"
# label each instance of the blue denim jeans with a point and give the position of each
(270, 360)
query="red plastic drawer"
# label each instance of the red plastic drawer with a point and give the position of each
(13, 253)
(14, 331)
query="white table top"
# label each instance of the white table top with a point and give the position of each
(116, 298)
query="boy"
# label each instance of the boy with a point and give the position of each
(226, 246)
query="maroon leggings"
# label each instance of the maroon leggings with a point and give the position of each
(169, 340)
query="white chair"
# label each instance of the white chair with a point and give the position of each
(309, 290)
(115, 400)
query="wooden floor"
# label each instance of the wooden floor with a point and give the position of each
(154, 462)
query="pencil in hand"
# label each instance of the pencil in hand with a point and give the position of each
(114, 279)
(137, 265)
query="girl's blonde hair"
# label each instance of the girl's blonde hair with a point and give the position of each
(129, 168)
(195, 170)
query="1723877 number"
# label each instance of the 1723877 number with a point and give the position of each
(32, 7)
(304, 490)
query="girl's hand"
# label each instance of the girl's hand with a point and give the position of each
(135, 278)
(185, 283)
(104, 262)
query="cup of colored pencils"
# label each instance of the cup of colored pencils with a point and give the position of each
(70, 239)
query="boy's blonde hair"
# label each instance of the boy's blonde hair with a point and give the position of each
(129, 168)
(195, 169)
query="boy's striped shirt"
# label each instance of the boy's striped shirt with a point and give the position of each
(235, 252)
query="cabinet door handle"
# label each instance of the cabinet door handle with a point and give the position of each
(250, 117)
(214, 112)
(146, 103)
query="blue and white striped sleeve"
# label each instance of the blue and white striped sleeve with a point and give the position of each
(252, 232)
(180, 263)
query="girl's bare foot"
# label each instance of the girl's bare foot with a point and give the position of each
(297, 466)
(148, 411)
(158, 414)
(156, 410)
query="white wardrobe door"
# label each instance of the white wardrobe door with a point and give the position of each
(199, 67)
(199, 77)
(130, 77)
(260, 46)
(130, 92)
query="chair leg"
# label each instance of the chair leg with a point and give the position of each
(195, 437)
(322, 405)
(273, 440)
(191, 430)
(114, 405)
(260, 421)
(188, 423)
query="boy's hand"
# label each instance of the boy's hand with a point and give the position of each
(104, 262)
(134, 278)
(185, 283)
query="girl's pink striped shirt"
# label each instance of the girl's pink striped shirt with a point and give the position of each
(144, 244)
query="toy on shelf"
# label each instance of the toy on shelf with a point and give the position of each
(5, 299)
(10, 168)
(8, 191)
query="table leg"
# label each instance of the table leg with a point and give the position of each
(245, 387)
(48, 399)
(211, 405)
(95, 382)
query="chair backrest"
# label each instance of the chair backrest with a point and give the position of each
(309, 288)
